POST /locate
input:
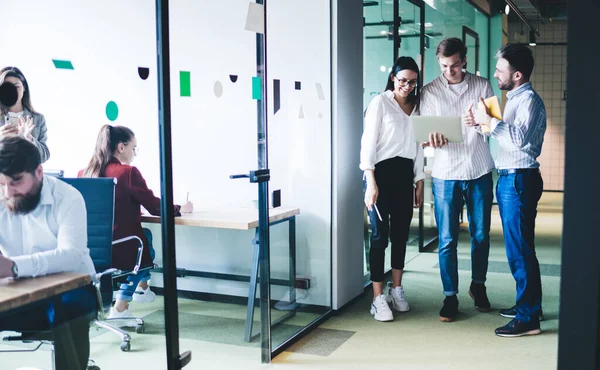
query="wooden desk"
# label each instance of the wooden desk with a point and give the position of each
(235, 219)
(20, 292)
(244, 219)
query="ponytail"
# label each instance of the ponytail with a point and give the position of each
(109, 138)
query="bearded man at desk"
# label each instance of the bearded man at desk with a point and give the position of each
(43, 230)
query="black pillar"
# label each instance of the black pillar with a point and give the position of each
(580, 276)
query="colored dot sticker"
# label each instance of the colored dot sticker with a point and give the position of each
(112, 110)
(143, 72)
(218, 89)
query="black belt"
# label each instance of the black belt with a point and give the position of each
(517, 170)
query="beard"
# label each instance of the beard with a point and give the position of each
(509, 85)
(23, 204)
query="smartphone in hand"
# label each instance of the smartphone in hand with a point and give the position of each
(13, 121)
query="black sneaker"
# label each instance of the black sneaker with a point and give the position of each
(450, 310)
(511, 313)
(477, 292)
(516, 328)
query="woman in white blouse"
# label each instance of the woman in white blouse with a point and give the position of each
(393, 180)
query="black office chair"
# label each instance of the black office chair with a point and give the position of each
(54, 173)
(99, 194)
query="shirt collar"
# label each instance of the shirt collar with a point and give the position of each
(46, 198)
(467, 79)
(520, 89)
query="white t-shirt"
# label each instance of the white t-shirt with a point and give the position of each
(457, 88)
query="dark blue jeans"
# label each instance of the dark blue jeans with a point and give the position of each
(448, 200)
(128, 287)
(518, 195)
(78, 309)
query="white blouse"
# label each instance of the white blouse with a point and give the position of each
(387, 134)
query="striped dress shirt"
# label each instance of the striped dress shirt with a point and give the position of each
(470, 159)
(521, 133)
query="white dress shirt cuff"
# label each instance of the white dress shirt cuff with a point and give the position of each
(494, 123)
(419, 177)
(25, 266)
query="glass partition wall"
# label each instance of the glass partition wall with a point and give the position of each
(235, 305)
(414, 28)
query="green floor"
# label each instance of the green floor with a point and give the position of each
(352, 339)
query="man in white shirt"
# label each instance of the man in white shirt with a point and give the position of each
(43, 230)
(462, 172)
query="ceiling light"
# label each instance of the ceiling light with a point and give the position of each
(382, 68)
(532, 38)
(428, 24)
(383, 32)
(506, 9)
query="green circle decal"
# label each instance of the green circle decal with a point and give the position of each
(112, 110)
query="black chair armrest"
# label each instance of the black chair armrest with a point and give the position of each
(140, 249)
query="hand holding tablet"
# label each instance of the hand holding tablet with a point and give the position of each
(437, 131)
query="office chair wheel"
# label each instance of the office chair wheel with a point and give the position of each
(140, 329)
(125, 346)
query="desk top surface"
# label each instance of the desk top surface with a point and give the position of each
(19, 292)
(238, 219)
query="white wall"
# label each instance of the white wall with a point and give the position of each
(213, 137)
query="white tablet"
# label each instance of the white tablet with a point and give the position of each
(450, 127)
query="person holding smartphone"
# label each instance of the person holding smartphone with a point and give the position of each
(20, 118)
(393, 167)
(116, 147)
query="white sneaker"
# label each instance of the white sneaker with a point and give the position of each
(381, 310)
(396, 298)
(114, 314)
(144, 295)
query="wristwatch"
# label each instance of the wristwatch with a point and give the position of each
(15, 270)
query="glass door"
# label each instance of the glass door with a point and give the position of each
(299, 154)
(471, 40)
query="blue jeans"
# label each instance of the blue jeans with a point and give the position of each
(127, 289)
(448, 200)
(78, 308)
(518, 195)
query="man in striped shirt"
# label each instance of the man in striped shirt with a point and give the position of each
(462, 172)
(520, 135)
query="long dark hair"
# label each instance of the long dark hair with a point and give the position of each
(26, 100)
(401, 64)
(108, 140)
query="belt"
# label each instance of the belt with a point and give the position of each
(517, 170)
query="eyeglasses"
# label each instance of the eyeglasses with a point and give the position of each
(403, 82)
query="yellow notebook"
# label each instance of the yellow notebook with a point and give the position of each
(494, 107)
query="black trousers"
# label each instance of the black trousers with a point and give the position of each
(394, 178)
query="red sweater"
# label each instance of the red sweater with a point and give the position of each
(131, 191)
